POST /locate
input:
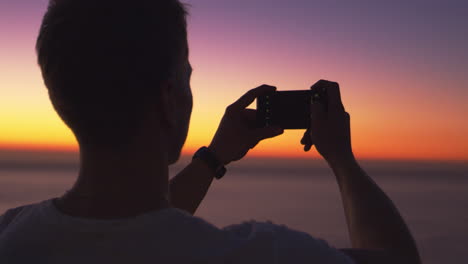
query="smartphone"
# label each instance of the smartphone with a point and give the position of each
(287, 109)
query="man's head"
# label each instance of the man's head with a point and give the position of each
(114, 67)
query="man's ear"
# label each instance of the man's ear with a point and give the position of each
(167, 104)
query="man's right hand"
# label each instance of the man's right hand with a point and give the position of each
(237, 133)
(329, 128)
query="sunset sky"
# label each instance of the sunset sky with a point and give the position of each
(402, 67)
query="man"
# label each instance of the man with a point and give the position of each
(118, 75)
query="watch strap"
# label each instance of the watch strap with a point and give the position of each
(206, 155)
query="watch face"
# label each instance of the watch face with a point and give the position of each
(207, 156)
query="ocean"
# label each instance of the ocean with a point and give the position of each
(301, 194)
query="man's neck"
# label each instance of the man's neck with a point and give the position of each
(118, 184)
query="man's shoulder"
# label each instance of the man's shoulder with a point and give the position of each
(289, 245)
(9, 215)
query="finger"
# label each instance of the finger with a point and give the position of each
(306, 138)
(319, 84)
(251, 95)
(317, 114)
(249, 118)
(334, 96)
(267, 132)
(250, 115)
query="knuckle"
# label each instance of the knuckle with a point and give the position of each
(230, 108)
(329, 84)
(264, 85)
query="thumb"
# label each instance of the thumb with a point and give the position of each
(268, 132)
(317, 113)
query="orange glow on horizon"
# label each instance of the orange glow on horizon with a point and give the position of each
(278, 148)
(407, 97)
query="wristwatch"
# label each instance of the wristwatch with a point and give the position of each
(206, 155)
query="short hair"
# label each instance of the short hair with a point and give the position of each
(103, 61)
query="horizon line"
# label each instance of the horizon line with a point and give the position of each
(188, 152)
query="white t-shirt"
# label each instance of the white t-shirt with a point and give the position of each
(39, 233)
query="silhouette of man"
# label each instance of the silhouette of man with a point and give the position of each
(118, 74)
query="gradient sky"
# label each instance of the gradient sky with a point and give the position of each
(402, 67)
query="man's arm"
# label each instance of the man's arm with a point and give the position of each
(378, 232)
(373, 220)
(189, 187)
(236, 135)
